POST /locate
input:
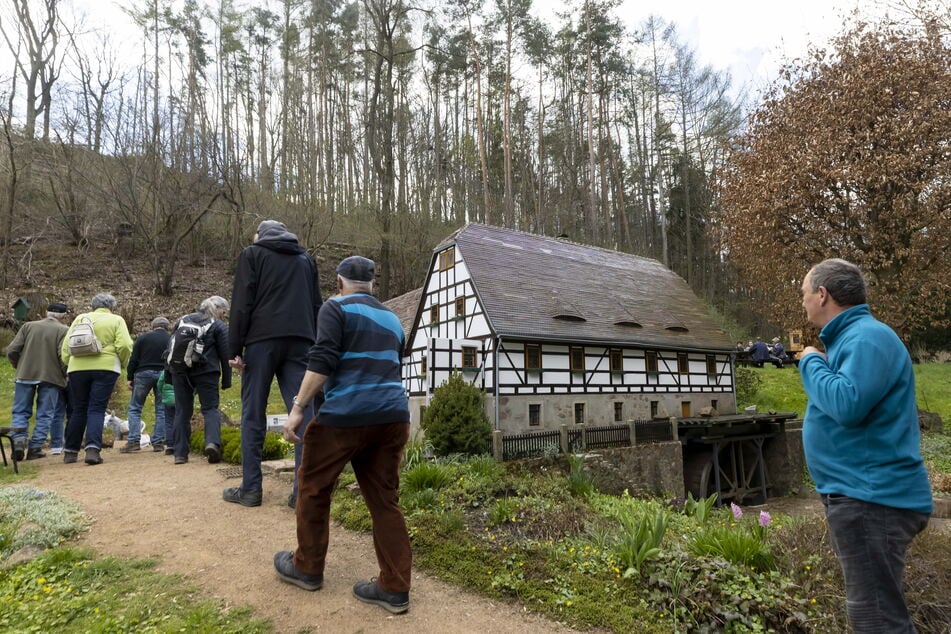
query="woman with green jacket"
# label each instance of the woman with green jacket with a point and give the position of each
(92, 377)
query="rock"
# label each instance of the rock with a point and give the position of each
(25, 554)
(929, 421)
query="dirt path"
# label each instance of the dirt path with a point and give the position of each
(144, 506)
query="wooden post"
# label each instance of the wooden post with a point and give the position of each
(564, 438)
(497, 445)
(633, 427)
(674, 435)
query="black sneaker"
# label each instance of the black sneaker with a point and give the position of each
(158, 447)
(181, 459)
(34, 452)
(371, 592)
(92, 456)
(287, 571)
(244, 498)
(169, 451)
(69, 457)
(129, 447)
(213, 453)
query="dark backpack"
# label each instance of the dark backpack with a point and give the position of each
(187, 345)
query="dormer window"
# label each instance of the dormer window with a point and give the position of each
(627, 323)
(569, 317)
(676, 328)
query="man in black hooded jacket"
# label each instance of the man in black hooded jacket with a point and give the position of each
(273, 323)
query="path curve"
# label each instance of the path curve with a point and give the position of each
(145, 507)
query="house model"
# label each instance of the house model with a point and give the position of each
(561, 333)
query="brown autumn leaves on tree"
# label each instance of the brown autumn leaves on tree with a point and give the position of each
(850, 157)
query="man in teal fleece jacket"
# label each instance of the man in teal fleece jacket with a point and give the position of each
(862, 444)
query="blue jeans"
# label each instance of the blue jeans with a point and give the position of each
(46, 396)
(206, 387)
(870, 542)
(60, 416)
(143, 382)
(287, 360)
(89, 392)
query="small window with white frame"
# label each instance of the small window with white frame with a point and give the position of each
(617, 360)
(534, 414)
(434, 314)
(447, 259)
(461, 306)
(533, 356)
(469, 357)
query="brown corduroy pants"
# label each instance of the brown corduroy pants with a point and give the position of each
(375, 452)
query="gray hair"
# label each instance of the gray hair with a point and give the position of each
(843, 280)
(160, 322)
(214, 307)
(366, 287)
(103, 300)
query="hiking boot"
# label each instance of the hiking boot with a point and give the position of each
(169, 451)
(34, 452)
(287, 571)
(213, 453)
(130, 446)
(69, 457)
(92, 456)
(244, 498)
(181, 459)
(371, 592)
(158, 446)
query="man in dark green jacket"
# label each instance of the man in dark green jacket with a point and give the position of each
(41, 377)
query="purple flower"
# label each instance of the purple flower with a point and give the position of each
(737, 511)
(764, 519)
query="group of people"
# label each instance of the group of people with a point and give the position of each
(340, 358)
(760, 353)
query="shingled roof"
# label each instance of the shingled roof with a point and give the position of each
(405, 307)
(540, 288)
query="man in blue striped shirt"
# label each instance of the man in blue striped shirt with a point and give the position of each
(364, 420)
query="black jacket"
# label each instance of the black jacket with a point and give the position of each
(215, 351)
(148, 352)
(276, 292)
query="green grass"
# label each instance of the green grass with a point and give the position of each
(68, 590)
(782, 390)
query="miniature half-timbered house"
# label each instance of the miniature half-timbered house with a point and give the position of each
(561, 333)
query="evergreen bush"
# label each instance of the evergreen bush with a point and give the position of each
(455, 421)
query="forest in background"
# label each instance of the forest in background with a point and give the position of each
(373, 123)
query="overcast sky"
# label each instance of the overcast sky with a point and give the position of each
(750, 38)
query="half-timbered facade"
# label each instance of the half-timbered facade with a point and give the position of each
(561, 333)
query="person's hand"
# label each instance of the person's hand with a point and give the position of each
(293, 422)
(237, 363)
(811, 350)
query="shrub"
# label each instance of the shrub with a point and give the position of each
(736, 544)
(748, 383)
(455, 420)
(275, 447)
